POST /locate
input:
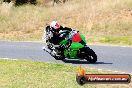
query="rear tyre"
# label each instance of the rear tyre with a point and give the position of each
(59, 57)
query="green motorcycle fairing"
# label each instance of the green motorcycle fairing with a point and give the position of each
(75, 46)
(83, 38)
(63, 42)
(72, 51)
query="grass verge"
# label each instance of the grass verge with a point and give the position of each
(101, 21)
(29, 74)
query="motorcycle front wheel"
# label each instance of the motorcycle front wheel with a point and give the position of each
(90, 55)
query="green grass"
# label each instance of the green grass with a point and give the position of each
(112, 40)
(30, 74)
(117, 40)
(99, 21)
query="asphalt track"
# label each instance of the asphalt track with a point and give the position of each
(114, 58)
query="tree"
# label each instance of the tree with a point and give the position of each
(59, 1)
(20, 2)
(7, 1)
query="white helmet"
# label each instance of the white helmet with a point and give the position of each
(55, 25)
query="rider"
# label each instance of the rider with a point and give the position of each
(54, 36)
(55, 28)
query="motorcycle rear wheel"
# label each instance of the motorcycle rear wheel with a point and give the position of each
(59, 57)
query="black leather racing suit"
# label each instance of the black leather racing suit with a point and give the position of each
(55, 39)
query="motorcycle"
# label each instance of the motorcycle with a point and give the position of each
(69, 48)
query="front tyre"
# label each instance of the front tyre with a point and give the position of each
(91, 56)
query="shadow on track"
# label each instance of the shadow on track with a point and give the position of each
(82, 62)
